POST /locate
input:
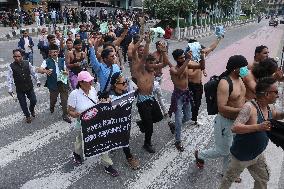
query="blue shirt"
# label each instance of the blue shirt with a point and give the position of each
(101, 69)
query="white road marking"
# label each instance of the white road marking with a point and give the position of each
(33, 142)
(12, 119)
(169, 162)
(62, 180)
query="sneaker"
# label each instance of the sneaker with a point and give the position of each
(28, 120)
(149, 148)
(199, 162)
(179, 146)
(141, 126)
(133, 163)
(77, 159)
(67, 119)
(172, 127)
(110, 170)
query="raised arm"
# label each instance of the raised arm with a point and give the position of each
(136, 64)
(93, 59)
(178, 70)
(121, 37)
(213, 46)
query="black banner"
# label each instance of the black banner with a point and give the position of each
(106, 126)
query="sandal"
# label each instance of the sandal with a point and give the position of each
(199, 162)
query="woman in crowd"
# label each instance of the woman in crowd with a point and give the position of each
(81, 99)
(120, 86)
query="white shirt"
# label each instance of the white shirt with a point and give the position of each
(43, 65)
(79, 100)
(26, 46)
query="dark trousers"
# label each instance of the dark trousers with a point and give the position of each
(30, 94)
(127, 153)
(197, 91)
(150, 113)
(63, 91)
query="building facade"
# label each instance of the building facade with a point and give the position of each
(275, 7)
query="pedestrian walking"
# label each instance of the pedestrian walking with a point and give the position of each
(81, 99)
(57, 80)
(26, 44)
(19, 73)
(251, 140)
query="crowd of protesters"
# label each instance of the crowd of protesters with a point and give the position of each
(92, 58)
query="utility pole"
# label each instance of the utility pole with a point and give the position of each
(20, 14)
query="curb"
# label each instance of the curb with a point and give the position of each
(15, 34)
(202, 35)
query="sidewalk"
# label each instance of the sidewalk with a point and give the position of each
(7, 33)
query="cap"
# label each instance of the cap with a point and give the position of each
(85, 76)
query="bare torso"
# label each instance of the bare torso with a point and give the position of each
(180, 81)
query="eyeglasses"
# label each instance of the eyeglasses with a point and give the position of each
(16, 56)
(123, 83)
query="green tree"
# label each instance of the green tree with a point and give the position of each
(167, 9)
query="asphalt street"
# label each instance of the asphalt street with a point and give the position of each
(39, 155)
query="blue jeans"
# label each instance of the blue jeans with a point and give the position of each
(30, 94)
(184, 108)
(223, 141)
(29, 57)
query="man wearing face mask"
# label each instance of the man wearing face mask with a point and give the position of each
(229, 105)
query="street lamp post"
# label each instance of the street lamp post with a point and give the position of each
(20, 14)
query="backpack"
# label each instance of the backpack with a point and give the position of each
(210, 89)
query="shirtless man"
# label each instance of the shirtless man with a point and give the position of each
(148, 107)
(180, 101)
(75, 60)
(195, 82)
(265, 68)
(229, 107)
(261, 52)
